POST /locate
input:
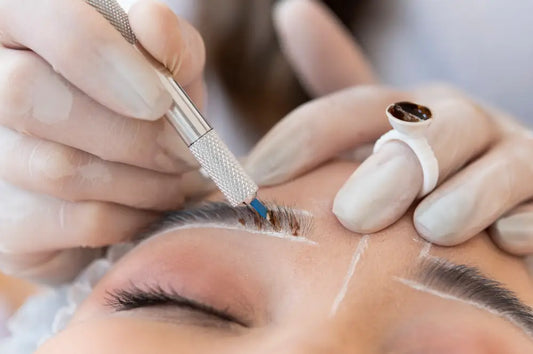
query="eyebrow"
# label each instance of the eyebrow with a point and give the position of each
(466, 283)
(284, 221)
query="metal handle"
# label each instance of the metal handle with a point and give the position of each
(184, 116)
(212, 154)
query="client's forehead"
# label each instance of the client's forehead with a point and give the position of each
(397, 247)
(387, 256)
(315, 192)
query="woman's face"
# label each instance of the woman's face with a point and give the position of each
(207, 285)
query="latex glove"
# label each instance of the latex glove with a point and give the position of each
(84, 160)
(485, 158)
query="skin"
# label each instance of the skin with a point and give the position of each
(75, 161)
(287, 289)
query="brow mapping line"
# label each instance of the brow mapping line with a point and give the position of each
(238, 227)
(359, 251)
(424, 252)
(425, 289)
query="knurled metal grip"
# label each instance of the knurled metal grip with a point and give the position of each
(224, 169)
(212, 154)
(115, 15)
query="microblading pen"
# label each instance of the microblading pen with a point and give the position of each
(211, 152)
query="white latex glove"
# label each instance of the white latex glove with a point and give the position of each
(485, 158)
(84, 160)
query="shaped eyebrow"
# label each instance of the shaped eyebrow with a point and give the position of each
(284, 220)
(466, 283)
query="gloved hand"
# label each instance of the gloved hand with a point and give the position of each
(84, 159)
(485, 157)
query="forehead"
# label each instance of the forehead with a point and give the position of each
(395, 248)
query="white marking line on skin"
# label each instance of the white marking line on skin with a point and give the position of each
(422, 288)
(280, 235)
(424, 252)
(359, 251)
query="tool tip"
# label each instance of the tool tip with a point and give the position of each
(260, 208)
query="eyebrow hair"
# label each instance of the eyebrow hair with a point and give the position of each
(469, 284)
(282, 219)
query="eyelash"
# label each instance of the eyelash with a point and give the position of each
(134, 298)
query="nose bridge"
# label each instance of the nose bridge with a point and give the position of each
(326, 338)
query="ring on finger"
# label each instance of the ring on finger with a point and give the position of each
(410, 122)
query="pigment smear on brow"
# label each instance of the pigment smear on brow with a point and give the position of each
(239, 227)
(424, 252)
(284, 223)
(360, 250)
(423, 288)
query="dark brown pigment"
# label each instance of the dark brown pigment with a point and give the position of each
(274, 221)
(410, 112)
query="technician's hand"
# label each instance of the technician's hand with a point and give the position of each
(84, 160)
(485, 158)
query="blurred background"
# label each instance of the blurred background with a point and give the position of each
(481, 47)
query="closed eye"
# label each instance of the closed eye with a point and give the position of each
(133, 297)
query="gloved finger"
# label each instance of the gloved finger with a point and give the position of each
(380, 190)
(303, 139)
(478, 195)
(63, 172)
(513, 232)
(320, 49)
(36, 100)
(31, 222)
(459, 133)
(170, 40)
(83, 47)
(197, 91)
(51, 267)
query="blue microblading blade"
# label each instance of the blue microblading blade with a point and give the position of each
(260, 208)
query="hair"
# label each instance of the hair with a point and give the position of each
(245, 54)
